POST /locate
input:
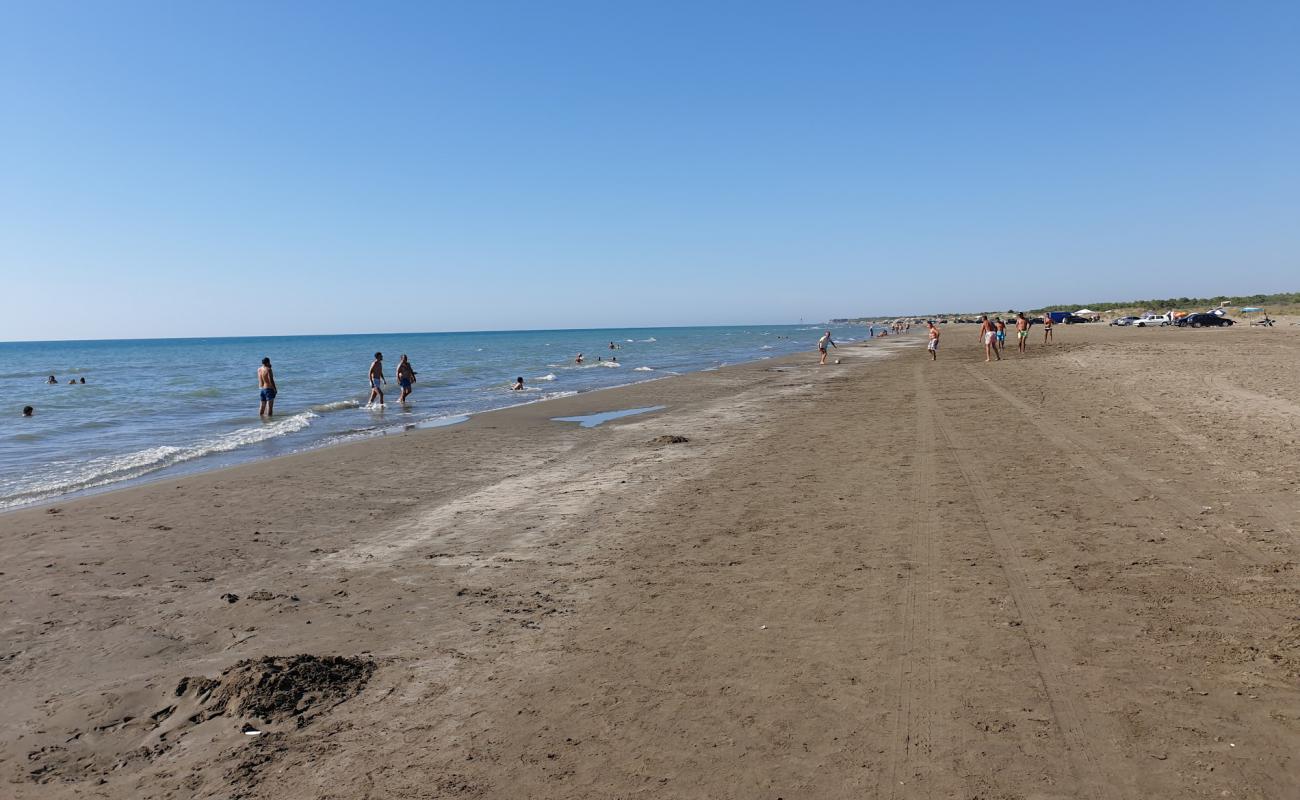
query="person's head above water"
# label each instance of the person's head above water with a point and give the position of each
(83, 380)
(51, 379)
(27, 411)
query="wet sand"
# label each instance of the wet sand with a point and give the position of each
(1070, 574)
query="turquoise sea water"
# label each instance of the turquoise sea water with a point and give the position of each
(158, 407)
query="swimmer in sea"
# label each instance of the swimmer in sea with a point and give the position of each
(578, 360)
(377, 379)
(52, 379)
(519, 385)
(266, 387)
(613, 346)
(27, 411)
(405, 377)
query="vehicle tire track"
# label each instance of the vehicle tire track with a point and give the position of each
(913, 739)
(1116, 475)
(1047, 647)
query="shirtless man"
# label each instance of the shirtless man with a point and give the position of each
(933, 346)
(822, 344)
(266, 385)
(1047, 327)
(989, 336)
(377, 379)
(1022, 331)
(1001, 327)
(405, 377)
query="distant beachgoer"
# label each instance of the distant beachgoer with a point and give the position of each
(519, 385)
(613, 359)
(52, 379)
(578, 360)
(83, 380)
(1002, 334)
(377, 379)
(613, 346)
(1022, 331)
(822, 344)
(405, 377)
(1047, 327)
(933, 346)
(871, 331)
(267, 390)
(27, 411)
(989, 336)
(72, 381)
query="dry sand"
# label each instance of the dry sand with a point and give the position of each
(1072, 574)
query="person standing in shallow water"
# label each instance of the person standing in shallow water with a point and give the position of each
(267, 390)
(405, 377)
(377, 379)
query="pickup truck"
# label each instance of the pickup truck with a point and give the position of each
(1153, 320)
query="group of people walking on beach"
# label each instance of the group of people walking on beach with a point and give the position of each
(993, 335)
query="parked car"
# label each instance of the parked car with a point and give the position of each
(1123, 321)
(1153, 320)
(1203, 320)
(1074, 319)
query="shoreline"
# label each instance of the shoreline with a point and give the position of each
(192, 467)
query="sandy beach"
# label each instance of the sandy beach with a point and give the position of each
(1071, 574)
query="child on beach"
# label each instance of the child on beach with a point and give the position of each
(519, 385)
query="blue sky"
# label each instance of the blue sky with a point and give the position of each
(174, 169)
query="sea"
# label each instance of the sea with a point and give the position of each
(156, 408)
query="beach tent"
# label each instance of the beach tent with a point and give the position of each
(1251, 310)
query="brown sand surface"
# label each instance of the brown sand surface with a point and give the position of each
(1069, 574)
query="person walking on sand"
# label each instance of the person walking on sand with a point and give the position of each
(1047, 327)
(933, 346)
(989, 335)
(1002, 334)
(822, 344)
(405, 377)
(266, 389)
(377, 380)
(1022, 331)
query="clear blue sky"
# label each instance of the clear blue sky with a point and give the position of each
(171, 169)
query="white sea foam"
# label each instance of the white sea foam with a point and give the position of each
(643, 369)
(337, 405)
(651, 339)
(550, 376)
(75, 476)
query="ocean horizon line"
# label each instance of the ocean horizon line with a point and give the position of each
(246, 337)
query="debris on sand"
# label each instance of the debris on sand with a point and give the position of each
(669, 439)
(276, 688)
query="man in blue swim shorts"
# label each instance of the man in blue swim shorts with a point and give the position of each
(377, 380)
(405, 377)
(266, 383)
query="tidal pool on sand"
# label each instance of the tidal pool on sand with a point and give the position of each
(592, 420)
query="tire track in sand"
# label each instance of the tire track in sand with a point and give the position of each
(1047, 646)
(913, 735)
